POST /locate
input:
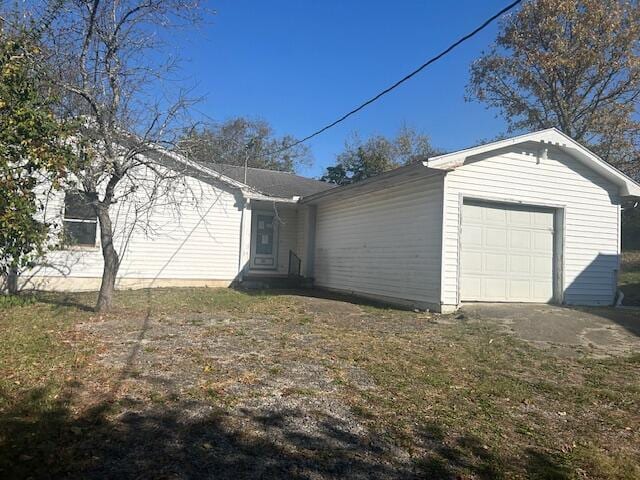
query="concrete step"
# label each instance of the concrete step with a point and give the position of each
(264, 282)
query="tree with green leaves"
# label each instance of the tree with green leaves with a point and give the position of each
(378, 154)
(240, 139)
(571, 64)
(32, 153)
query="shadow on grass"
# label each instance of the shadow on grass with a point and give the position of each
(185, 440)
(631, 294)
(321, 293)
(62, 300)
(165, 443)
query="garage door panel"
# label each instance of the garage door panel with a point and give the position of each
(541, 240)
(473, 214)
(494, 216)
(520, 217)
(494, 237)
(473, 261)
(542, 266)
(472, 235)
(542, 290)
(495, 263)
(520, 264)
(520, 239)
(474, 286)
(542, 219)
(506, 253)
(494, 288)
(519, 289)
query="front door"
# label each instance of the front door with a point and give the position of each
(264, 241)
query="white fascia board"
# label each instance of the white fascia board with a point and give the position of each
(253, 195)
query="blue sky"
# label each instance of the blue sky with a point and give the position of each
(300, 64)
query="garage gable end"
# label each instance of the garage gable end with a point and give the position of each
(539, 143)
(530, 221)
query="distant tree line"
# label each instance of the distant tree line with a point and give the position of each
(239, 140)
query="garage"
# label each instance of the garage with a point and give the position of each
(533, 219)
(506, 252)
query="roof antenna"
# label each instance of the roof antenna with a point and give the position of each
(246, 158)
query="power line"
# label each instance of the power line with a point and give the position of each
(401, 81)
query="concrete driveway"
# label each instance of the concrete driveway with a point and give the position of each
(596, 331)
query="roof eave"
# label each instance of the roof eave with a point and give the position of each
(246, 190)
(371, 184)
(254, 195)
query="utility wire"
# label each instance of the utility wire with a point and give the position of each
(401, 81)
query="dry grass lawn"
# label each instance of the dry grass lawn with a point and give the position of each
(214, 383)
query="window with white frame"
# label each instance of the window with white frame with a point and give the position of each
(80, 220)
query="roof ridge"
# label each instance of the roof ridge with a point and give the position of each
(257, 168)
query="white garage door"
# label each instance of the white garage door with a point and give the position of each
(507, 253)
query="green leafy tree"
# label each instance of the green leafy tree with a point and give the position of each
(238, 140)
(571, 64)
(378, 154)
(32, 153)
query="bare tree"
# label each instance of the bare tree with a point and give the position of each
(261, 147)
(109, 63)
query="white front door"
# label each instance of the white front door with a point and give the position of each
(506, 253)
(264, 241)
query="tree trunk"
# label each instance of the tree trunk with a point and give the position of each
(111, 260)
(12, 281)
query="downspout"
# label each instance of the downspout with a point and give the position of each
(243, 237)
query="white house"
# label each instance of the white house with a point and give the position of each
(534, 218)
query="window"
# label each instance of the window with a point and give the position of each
(264, 244)
(80, 220)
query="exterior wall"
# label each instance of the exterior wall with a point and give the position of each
(384, 244)
(589, 206)
(193, 242)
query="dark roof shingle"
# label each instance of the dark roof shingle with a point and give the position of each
(272, 182)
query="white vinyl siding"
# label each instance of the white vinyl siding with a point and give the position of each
(197, 239)
(590, 205)
(385, 243)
